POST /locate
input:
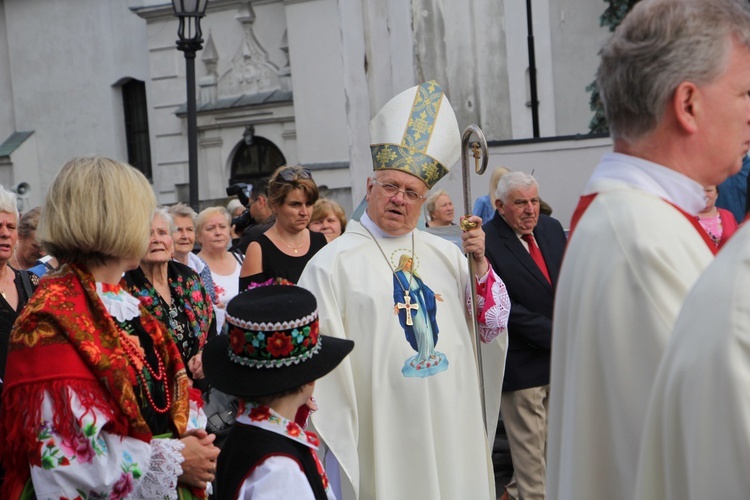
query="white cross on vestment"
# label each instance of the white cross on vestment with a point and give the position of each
(409, 307)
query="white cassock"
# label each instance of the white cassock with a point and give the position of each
(629, 264)
(399, 436)
(696, 438)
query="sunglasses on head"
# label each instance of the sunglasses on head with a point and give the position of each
(292, 174)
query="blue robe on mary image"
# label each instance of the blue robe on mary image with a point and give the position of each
(424, 298)
(422, 335)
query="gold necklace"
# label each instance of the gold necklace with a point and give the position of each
(287, 244)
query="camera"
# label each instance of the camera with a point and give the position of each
(242, 191)
(244, 220)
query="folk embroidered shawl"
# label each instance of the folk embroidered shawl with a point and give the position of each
(65, 338)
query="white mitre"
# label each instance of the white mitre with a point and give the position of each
(416, 132)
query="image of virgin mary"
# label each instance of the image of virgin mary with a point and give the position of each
(416, 306)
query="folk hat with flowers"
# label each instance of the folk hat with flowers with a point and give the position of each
(416, 132)
(272, 343)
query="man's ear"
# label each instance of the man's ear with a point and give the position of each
(370, 185)
(499, 206)
(686, 104)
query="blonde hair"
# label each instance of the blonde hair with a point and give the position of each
(28, 223)
(97, 209)
(496, 175)
(208, 212)
(323, 207)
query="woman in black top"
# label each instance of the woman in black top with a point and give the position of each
(284, 250)
(16, 286)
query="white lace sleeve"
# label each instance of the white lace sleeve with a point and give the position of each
(160, 481)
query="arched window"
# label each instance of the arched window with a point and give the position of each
(256, 158)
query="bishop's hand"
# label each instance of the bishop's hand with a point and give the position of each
(473, 243)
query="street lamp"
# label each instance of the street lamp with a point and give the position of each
(189, 12)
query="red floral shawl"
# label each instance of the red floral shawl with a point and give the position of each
(65, 338)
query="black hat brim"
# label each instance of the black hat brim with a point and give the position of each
(247, 382)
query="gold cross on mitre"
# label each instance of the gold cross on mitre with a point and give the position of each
(406, 304)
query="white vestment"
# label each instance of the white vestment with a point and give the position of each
(629, 264)
(696, 437)
(397, 436)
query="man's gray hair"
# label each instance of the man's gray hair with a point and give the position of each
(512, 181)
(8, 202)
(658, 46)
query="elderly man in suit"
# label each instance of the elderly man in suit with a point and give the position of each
(526, 250)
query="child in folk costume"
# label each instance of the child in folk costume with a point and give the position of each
(269, 359)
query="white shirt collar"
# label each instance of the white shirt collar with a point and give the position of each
(370, 225)
(266, 418)
(119, 303)
(668, 184)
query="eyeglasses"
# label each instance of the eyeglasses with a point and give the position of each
(392, 190)
(291, 174)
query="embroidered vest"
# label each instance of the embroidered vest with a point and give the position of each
(247, 446)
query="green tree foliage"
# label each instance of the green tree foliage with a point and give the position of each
(612, 17)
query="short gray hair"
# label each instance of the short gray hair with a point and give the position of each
(182, 210)
(166, 217)
(432, 200)
(8, 202)
(512, 181)
(658, 46)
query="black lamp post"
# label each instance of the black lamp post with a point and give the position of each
(189, 12)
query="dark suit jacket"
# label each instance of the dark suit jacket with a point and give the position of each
(531, 297)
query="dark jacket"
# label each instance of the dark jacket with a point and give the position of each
(531, 297)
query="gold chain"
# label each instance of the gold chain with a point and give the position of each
(287, 244)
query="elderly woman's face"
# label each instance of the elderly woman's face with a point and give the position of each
(8, 235)
(160, 245)
(184, 236)
(443, 212)
(214, 233)
(28, 249)
(328, 224)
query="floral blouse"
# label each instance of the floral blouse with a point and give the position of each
(189, 318)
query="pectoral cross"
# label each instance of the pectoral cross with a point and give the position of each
(408, 306)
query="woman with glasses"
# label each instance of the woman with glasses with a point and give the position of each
(284, 249)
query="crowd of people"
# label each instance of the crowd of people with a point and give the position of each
(620, 370)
